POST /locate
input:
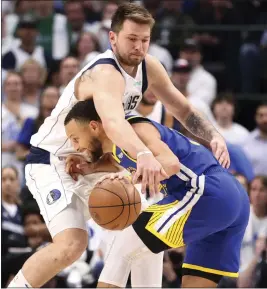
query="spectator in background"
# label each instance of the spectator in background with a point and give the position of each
(31, 125)
(169, 16)
(257, 227)
(33, 76)
(224, 110)
(14, 112)
(69, 67)
(256, 144)
(202, 85)
(76, 20)
(87, 44)
(161, 53)
(21, 8)
(101, 28)
(180, 78)
(53, 30)
(242, 180)
(11, 218)
(150, 107)
(14, 58)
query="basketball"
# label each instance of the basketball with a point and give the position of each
(114, 204)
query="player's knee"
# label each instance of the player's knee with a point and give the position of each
(72, 248)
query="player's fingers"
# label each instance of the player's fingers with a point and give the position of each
(222, 158)
(75, 176)
(218, 153)
(144, 182)
(157, 182)
(136, 176)
(151, 183)
(164, 174)
(68, 167)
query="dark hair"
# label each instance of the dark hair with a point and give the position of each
(83, 111)
(133, 12)
(12, 168)
(263, 103)
(263, 180)
(227, 97)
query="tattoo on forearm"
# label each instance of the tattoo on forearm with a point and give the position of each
(200, 127)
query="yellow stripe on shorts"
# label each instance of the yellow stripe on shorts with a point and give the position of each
(173, 237)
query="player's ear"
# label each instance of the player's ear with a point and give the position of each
(94, 125)
(112, 37)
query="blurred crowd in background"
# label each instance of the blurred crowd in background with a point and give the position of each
(215, 52)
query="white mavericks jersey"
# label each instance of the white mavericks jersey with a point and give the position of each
(51, 135)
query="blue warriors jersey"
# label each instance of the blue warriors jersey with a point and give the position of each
(194, 158)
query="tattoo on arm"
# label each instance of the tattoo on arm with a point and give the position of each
(200, 127)
(85, 75)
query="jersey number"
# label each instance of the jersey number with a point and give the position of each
(132, 102)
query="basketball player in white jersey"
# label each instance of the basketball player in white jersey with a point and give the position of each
(115, 80)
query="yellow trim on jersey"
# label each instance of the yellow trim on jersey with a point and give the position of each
(208, 270)
(125, 153)
(174, 235)
(115, 154)
(159, 208)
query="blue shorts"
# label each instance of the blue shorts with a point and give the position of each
(210, 221)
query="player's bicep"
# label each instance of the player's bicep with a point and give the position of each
(108, 90)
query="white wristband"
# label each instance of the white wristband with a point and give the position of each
(143, 153)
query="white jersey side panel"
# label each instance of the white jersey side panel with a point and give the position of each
(51, 135)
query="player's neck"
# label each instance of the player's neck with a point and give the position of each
(260, 212)
(145, 109)
(107, 145)
(131, 70)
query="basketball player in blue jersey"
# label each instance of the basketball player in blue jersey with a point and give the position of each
(205, 207)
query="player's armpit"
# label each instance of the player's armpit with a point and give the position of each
(151, 138)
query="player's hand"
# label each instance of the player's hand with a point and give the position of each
(76, 165)
(112, 176)
(220, 151)
(151, 172)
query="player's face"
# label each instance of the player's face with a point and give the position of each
(131, 43)
(85, 138)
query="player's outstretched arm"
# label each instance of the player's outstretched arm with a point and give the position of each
(161, 86)
(151, 138)
(107, 87)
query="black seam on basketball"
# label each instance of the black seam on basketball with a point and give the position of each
(113, 219)
(128, 203)
(134, 201)
(98, 207)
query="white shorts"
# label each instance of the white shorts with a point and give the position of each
(54, 191)
(126, 253)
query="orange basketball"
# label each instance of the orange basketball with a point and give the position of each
(115, 204)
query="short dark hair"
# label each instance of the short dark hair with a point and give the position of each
(83, 111)
(226, 96)
(133, 12)
(12, 168)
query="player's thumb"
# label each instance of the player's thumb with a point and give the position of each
(164, 174)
